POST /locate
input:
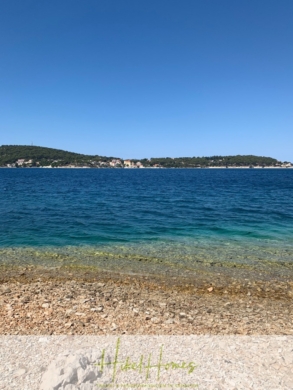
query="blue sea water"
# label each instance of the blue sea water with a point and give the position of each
(173, 216)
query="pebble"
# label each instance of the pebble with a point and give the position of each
(19, 372)
(6, 291)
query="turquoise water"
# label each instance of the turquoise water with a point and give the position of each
(147, 218)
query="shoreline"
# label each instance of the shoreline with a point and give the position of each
(85, 167)
(37, 301)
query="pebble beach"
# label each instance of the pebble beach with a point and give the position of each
(38, 301)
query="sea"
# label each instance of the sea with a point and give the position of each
(148, 221)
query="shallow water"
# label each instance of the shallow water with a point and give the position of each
(147, 220)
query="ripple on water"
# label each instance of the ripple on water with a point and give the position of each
(165, 258)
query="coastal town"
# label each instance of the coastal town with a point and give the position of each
(114, 163)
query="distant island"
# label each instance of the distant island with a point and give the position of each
(20, 156)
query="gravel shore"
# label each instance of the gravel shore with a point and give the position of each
(54, 302)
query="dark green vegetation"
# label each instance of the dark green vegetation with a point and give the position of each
(34, 156)
(41, 156)
(215, 161)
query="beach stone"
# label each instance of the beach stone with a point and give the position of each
(6, 291)
(87, 386)
(72, 371)
(68, 324)
(19, 372)
(155, 320)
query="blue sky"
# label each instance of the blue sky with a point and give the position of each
(149, 78)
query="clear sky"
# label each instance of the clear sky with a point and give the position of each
(148, 78)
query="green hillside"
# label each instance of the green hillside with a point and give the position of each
(9, 154)
(237, 161)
